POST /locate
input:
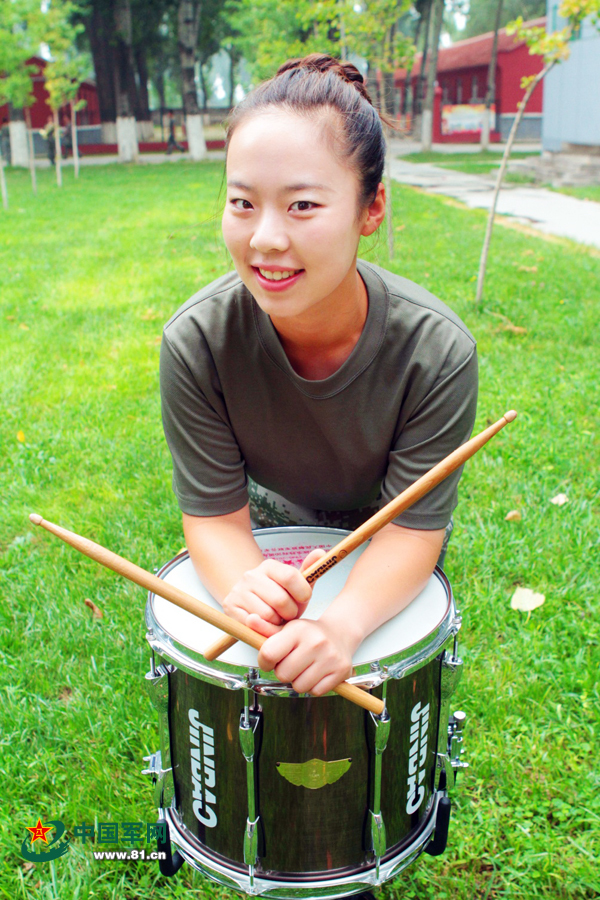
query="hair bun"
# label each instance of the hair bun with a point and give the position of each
(320, 62)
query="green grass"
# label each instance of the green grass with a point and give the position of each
(587, 192)
(90, 273)
(480, 163)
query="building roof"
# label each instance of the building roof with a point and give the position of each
(475, 51)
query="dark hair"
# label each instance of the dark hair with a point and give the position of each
(316, 82)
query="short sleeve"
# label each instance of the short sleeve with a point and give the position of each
(441, 422)
(209, 475)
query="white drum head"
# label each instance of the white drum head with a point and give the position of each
(291, 545)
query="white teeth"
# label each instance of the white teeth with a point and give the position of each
(278, 276)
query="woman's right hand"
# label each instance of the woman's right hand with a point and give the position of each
(268, 596)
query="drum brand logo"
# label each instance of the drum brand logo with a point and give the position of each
(202, 740)
(417, 757)
(323, 568)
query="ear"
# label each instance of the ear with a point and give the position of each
(375, 213)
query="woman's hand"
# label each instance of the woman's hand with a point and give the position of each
(271, 594)
(315, 656)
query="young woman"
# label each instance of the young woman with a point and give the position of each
(309, 387)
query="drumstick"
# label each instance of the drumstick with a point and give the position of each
(384, 516)
(157, 586)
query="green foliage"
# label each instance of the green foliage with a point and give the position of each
(66, 69)
(481, 16)
(17, 45)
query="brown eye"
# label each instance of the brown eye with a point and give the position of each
(303, 205)
(241, 204)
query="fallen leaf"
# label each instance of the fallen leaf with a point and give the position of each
(560, 500)
(513, 516)
(28, 866)
(96, 612)
(20, 437)
(10, 318)
(507, 324)
(65, 694)
(23, 326)
(525, 599)
(150, 315)
(528, 252)
(528, 268)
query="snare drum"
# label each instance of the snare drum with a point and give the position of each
(286, 795)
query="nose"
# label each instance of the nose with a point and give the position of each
(269, 234)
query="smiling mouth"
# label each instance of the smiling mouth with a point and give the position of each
(278, 276)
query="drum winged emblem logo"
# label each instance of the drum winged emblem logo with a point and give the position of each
(315, 773)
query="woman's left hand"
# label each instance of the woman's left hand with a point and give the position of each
(311, 655)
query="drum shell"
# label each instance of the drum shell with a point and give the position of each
(303, 831)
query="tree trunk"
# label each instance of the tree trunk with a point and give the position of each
(57, 149)
(74, 139)
(491, 82)
(188, 21)
(418, 94)
(98, 32)
(427, 124)
(499, 179)
(31, 150)
(126, 130)
(145, 116)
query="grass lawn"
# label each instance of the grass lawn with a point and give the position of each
(472, 163)
(90, 274)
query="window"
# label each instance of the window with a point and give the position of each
(459, 90)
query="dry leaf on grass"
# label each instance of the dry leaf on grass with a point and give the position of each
(20, 437)
(28, 866)
(513, 516)
(96, 612)
(528, 268)
(507, 325)
(23, 326)
(525, 599)
(560, 500)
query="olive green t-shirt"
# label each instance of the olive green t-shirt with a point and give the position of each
(242, 425)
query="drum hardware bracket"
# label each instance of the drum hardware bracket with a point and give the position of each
(169, 861)
(377, 834)
(455, 741)
(249, 723)
(157, 682)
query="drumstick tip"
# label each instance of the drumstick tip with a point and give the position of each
(35, 518)
(511, 415)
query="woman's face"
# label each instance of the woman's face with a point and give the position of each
(290, 220)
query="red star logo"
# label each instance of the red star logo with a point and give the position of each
(39, 832)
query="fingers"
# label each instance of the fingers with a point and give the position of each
(312, 557)
(304, 654)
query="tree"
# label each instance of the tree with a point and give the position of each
(17, 46)
(436, 30)
(55, 26)
(491, 82)
(554, 47)
(188, 23)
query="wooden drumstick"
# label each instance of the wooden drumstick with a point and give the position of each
(157, 586)
(384, 516)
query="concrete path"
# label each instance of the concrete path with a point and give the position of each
(540, 208)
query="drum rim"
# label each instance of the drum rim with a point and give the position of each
(368, 674)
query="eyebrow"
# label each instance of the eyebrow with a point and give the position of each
(288, 189)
